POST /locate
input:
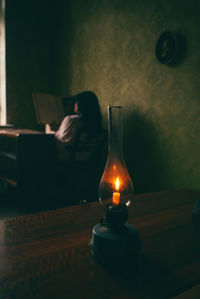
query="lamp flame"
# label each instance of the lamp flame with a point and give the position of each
(116, 195)
(117, 184)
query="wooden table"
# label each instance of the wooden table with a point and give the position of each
(46, 255)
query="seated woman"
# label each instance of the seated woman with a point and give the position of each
(82, 126)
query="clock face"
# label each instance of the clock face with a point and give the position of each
(166, 48)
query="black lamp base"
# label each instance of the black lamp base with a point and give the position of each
(117, 248)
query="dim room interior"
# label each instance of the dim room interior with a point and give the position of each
(141, 55)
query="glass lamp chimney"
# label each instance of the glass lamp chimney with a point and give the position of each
(114, 242)
(115, 187)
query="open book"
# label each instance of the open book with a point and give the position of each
(49, 108)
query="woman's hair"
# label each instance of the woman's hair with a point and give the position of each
(68, 105)
(88, 107)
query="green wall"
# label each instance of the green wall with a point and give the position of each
(108, 47)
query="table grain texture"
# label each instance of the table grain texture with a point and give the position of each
(47, 254)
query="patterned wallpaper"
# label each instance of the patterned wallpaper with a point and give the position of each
(108, 47)
(112, 46)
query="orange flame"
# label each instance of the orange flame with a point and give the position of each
(117, 184)
(116, 195)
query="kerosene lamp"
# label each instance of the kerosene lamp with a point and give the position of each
(115, 243)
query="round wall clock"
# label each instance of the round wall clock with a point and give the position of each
(167, 48)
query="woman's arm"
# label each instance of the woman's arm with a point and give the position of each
(69, 130)
(48, 129)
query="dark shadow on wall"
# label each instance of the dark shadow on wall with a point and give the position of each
(142, 154)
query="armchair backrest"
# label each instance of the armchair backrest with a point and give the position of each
(92, 150)
(88, 165)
